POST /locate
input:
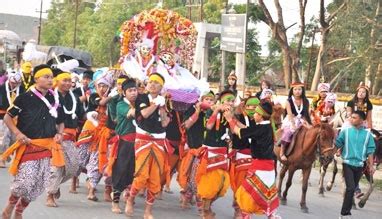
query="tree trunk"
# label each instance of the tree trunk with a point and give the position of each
(373, 53)
(326, 25)
(320, 60)
(291, 57)
(287, 66)
(295, 66)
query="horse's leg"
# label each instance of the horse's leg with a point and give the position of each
(330, 184)
(323, 169)
(365, 197)
(281, 178)
(288, 184)
(305, 174)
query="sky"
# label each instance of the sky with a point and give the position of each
(290, 12)
(24, 7)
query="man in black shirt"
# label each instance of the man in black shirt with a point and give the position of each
(38, 132)
(257, 194)
(174, 134)
(150, 162)
(194, 122)
(72, 111)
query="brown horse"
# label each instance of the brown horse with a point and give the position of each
(308, 141)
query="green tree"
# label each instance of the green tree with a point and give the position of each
(349, 44)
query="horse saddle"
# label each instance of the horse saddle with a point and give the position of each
(291, 146)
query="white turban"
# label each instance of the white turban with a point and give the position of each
(15, 76)
(323, 87)
(264, 92)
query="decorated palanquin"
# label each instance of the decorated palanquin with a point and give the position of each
(162, 41)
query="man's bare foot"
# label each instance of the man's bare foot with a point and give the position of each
(7, 213)
(91, 195)
(148, 216)
(50, 201)
(115, 208)
(148, 212)
(129, 208)
(107, 194)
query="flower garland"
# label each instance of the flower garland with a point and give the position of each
(174, 32)
(298, 110)
(52, 108)
(74, 107)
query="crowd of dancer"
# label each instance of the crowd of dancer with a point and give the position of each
(128, 133)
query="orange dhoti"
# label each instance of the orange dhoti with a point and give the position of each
(258, 193)
(212, 176)
(150, 165)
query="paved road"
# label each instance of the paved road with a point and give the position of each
(77, 207)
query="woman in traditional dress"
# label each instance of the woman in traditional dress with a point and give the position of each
(297, 107)
(232, 83)
(361, 102)
(318, 101)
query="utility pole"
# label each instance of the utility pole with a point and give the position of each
(75, 26)
(39, 24)
(224, 54)
(245, 45)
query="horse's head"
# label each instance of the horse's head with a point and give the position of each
(325, 143)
